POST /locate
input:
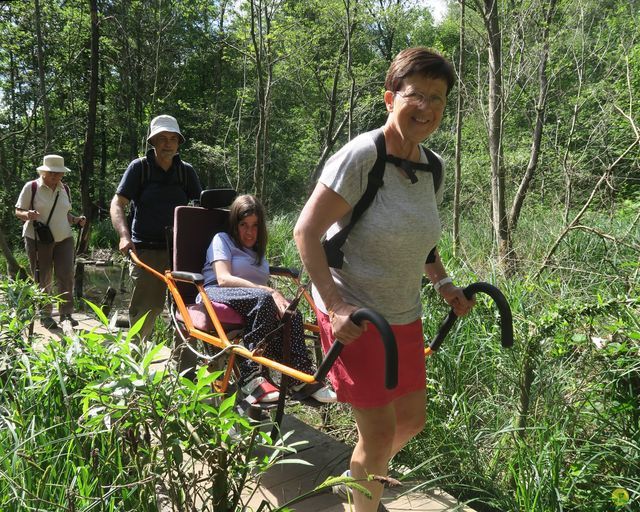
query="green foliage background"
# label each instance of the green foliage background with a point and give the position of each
(550, 425)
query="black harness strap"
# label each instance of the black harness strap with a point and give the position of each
(433, 166)
(333, 245)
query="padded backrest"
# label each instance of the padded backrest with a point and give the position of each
(193, 230)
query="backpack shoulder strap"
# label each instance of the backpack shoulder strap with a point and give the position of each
(66, 189)
(374, 182)
(34, 188)
(435, 167)
(145, 175)
(182, 175)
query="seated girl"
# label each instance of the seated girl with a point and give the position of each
(236, 273)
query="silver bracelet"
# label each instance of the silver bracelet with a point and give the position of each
(441, 283)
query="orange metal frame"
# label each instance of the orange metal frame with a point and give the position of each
(219, 339)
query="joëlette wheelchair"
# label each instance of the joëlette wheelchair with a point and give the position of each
(213, 331)
(218, 328)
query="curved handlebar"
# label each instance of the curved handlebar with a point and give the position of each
(506, 319)
(388, 339)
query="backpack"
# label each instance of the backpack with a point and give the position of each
(145, 176)
(332, 246)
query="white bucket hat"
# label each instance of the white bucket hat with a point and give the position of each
(53, 163)
(164, 123)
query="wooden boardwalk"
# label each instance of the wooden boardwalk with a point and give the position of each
(325, 455)
(329, 457)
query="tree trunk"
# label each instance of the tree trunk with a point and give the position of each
(506, 256)
(459, 108)
(87, 168)
(102, 173)
(541, 108)
(41, 76)
(262, 13)
(331, 132)
(257, 40)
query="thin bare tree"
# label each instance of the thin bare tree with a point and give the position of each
(37, 14)
(488, 9)
(541, 108)
(458, 149)
(262, 13)
(87, 168)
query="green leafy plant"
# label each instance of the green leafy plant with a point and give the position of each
(93, 421)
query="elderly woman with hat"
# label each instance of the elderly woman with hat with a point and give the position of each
(47, 201)
(151, 188)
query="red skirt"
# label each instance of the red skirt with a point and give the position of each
(358, 374)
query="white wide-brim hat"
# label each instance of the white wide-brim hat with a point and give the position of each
(53, 163)
(164, 123)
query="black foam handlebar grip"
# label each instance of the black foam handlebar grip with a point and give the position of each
(388, 340)
(506, 319)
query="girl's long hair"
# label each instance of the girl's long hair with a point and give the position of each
(242, 207)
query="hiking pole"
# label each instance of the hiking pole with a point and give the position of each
(36, 273)
(388, 340)
(506, 319)
(78, 241)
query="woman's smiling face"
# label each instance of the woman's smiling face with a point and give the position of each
(416, 109)
(248, 231)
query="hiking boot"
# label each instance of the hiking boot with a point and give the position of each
(70, 319)
(48, 323)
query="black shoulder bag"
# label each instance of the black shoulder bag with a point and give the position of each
(43, 231)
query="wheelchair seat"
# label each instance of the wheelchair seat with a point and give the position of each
(193, 229)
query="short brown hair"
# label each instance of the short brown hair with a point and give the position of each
(419, 61)
(242, 207)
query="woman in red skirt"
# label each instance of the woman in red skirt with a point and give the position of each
(385, 256)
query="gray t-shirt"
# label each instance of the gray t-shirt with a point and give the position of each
(243, 261)
(385, 252)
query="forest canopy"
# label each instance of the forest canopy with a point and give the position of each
(265, 90)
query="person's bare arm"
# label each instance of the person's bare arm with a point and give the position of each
(73, 220)
(226, 278)
(119, 220)
(323, 208)
(25, 215)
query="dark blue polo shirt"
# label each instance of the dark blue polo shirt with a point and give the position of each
(156, 198)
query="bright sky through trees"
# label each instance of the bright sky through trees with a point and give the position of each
(438, 8)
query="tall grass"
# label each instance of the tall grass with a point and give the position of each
(554, 423)
(90, 422)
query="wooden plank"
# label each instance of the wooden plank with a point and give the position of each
(330, 457)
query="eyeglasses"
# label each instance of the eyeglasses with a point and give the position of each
(416, 99)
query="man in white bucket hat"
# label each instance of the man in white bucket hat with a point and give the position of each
(48, 201)
(152, 187)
